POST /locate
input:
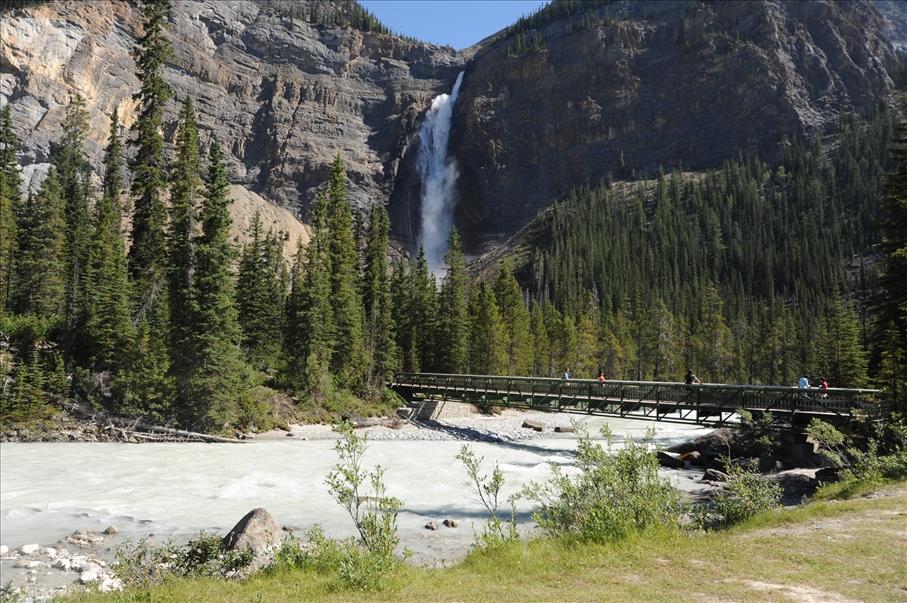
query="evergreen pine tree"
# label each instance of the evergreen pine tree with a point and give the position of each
(108, 324)
(541, 365)
(379, 324)
(424, 320)
(219, 376)
(488, 343)
(147, 254)
(347, 360)
(73, 172)
(845, 359)
(40, 266)
(401, 314)
(259, 296)
(453, 316)
(516, 321)
(184, 190)
(891, 304)
(309, 340)
(9, 203)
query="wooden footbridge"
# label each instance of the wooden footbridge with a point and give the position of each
(708, 403)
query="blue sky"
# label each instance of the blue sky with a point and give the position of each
(458, 23)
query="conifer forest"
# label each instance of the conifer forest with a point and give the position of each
(122, 290)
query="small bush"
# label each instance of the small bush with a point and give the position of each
(747, 494)
(616, 493)
(141, 563)
(760, 432)
(361, 564)
(488, 490)
(862, 459)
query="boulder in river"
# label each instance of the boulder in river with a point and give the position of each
(565, 429)
(431, 525)
(666, 459)
(4, 550)
(451, 523)
(534, 424)
(29, 549)
(111, 530)
(694, 456)
(256, 531)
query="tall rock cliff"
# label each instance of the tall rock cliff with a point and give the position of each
(620, 90)
(283, 95)
(610, 92)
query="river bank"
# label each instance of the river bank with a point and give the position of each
(834, 551)
(173, 491)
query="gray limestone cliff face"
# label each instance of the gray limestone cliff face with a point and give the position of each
(283, 96)
(612, 94)
(648, 84)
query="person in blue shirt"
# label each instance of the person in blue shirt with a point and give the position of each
(804, 382)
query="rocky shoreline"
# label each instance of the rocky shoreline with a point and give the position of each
(48, 571)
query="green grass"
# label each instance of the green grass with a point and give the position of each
(826, 550)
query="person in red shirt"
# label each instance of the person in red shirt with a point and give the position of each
(823, 384)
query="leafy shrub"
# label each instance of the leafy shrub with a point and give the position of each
(616, 493)
(747, 494)
(141, 563)
(488, 490)
(879, 452)
(760, 431)
(361, 564)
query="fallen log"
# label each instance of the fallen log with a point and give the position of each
(374, 422)
(157, 429)
(134, 426)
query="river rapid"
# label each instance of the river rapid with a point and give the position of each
(48, 490)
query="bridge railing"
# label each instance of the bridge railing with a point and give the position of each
(587, 394)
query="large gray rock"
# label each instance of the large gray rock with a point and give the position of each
(715, 443)
(256, 531)
(666, 459)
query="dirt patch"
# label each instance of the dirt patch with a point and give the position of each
(803, 594)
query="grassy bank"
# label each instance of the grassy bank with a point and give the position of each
(824, 551)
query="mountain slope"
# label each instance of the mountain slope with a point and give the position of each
(581, 93)
(617, 91)
(281, 93)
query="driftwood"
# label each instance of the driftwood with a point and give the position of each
(135, 428)
(376, 422)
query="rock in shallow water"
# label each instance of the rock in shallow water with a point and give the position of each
(62, 564)
(29, 549)
(4, 550)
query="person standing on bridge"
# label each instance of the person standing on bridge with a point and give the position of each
(823, 384)
(601, 377)
(804, 382)
(566, 375)
(690, 378)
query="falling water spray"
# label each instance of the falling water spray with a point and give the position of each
(439, 176)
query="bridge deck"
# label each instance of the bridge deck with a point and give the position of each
(653, 400)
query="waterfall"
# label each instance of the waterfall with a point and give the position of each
(439, 175)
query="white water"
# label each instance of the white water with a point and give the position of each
(47, 491)
(439, 176)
